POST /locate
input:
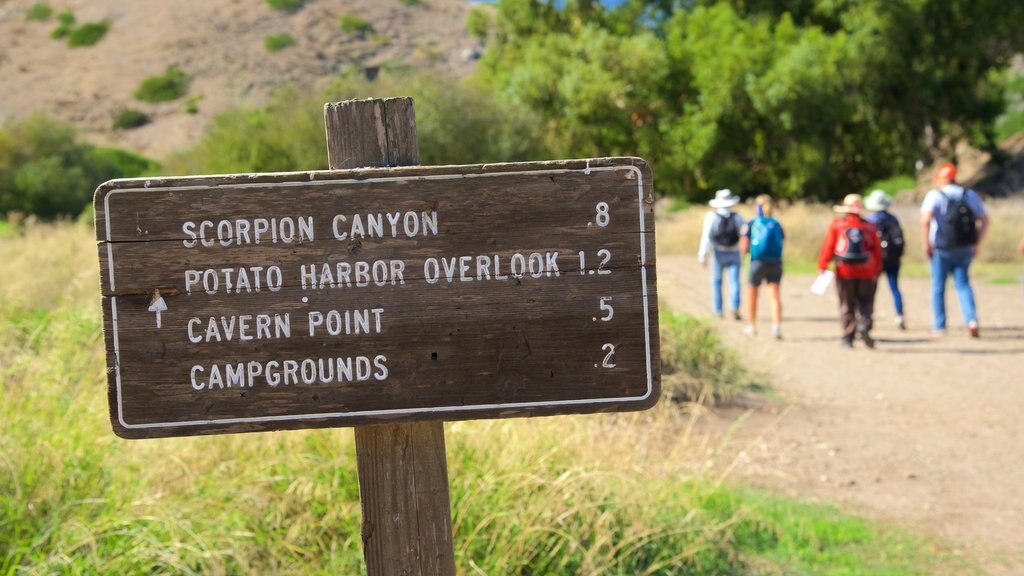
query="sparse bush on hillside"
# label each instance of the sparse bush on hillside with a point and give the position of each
(129, 118)
(88, 34)
(278, 42)
(352, 24)
(170, 85)
(413, 2)
(192, 105)
(46, 171)
(65, 23)
(286, 5)
(39, 11)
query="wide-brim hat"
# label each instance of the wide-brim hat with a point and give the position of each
(877, 201)
(852, 204)
(724, 198)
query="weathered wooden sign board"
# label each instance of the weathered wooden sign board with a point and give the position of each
(341, 298)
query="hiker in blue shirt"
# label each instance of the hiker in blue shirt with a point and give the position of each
(891, 235)
(953, 224)
(762, 239)
(721, 236)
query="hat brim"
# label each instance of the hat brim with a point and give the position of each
(724, 202)
(877, 206)
(843, 209)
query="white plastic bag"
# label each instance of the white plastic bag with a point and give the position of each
(822, 282)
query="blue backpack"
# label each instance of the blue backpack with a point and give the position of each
(765, 239)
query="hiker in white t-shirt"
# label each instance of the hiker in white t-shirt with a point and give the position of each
(721, 237)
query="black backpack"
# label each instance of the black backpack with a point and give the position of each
(725, 231)
(851, 245)
(892, 238)
(959, 226)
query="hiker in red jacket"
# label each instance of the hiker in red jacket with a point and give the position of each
(853, 244)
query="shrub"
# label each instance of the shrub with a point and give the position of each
(478, 23)
(46, 171)
(413, 2)
(192, 105)
(170, 85)
(278, 42)
(286, 5)
(351, 24)
(66, 22)
(695, 364)
(39, 11)
(129, 118)
(88, 34)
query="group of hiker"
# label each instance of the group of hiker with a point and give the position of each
(862, 242)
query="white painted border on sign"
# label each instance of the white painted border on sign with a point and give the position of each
(395, 411)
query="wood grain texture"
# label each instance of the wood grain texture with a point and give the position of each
(403, 468)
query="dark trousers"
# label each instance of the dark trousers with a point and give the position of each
(856, 305)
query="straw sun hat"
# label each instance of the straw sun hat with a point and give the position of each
(852, 204)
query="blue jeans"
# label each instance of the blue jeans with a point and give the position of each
(730, 260)
(892, 274)
(954, 261)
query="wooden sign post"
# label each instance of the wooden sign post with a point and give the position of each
(384, 296)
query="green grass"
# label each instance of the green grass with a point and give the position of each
(170, 85)
(40, 11)
(192, 105)
(6, 229)
(352, 24)
(278, 42)
(893, 185)
(597, 494)
(412, 3)
(286, 5)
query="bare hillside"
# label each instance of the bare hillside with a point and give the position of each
(220, 43)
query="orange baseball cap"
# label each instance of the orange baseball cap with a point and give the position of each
(946, 172)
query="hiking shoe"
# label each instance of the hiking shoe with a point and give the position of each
(736, 315)
(777, 332)
(938, 333)
(749, 330)
(900, 323)
(972, 329)
(868, 340)
(844, 343)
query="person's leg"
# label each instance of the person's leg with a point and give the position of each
(847, 320)
(892, 274)
(751, 309)
(965, 294)
(734, 285)
(866, 289)
(775, 289)
(716, 283)
(939, 272)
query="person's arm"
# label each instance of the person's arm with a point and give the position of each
(705, 239)
(983, 221)
(745, 238)
(1020, 248)
(927, 213)
(877, 249)
(828, 248)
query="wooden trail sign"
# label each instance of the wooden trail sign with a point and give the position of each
(336, 298)
(348, 297)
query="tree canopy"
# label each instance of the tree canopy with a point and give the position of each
(799, 98)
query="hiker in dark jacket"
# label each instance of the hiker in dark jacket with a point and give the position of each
(891, 235)
(853, 244)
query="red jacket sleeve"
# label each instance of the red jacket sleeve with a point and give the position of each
(876, 248)
(828, 247)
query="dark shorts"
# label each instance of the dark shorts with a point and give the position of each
(760, 271)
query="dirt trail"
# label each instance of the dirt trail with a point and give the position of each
(924, 432)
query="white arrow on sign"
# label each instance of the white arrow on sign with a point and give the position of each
(157, 305)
